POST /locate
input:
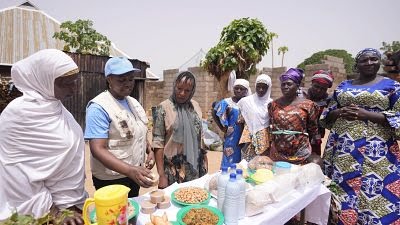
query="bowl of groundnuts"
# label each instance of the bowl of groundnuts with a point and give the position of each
(190, 196)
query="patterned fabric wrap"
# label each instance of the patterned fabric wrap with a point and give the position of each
(179, 170)
(323, 78)
(368, 50)
(259, 143)
(363, 157)
(291, 127)
(293, 74)
(228, 113)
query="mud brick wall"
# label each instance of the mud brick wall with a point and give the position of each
(207, 85)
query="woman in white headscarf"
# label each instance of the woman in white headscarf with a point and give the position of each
(41, 144)
(226, 115)
(254, 110)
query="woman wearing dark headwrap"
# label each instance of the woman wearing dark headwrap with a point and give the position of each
(293, 121)
(177, 135)
(321, 81)
(362, 154)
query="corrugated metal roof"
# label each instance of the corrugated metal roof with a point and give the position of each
(24, 31)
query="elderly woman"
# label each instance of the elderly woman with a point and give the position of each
(41, 144)
(293, 121)
(177, 134)
(254, 110)
(362, 154)
(116, 127)
(226, 115)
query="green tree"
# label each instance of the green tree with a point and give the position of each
(340, 53)
(80, 37)
(273, 35)
(242, 45)
(387, 47)
(282, 50)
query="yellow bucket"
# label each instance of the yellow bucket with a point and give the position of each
(111, 205)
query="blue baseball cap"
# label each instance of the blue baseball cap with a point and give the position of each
(118, 66)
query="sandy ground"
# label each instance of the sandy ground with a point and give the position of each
(214, 161)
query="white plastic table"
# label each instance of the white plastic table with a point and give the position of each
(315, 199)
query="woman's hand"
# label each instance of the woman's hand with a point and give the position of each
(150, 161)
(353, 112)
(141, 176)
(163, 182)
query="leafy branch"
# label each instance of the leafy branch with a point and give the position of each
(80, 37)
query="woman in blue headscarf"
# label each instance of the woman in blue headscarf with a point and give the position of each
(362, 154)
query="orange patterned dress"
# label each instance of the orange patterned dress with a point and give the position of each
(291, 129)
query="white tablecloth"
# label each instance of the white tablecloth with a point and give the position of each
(315, 199)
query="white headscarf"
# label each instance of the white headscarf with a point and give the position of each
(254, 109)
(41, 144)
(244, 83)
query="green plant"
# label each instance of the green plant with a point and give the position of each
(387, 47)
(242, 45)
(340, 53)
(18, 219)
(80, 37)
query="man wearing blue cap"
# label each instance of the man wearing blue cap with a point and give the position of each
(116, 127)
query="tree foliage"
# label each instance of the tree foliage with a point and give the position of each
(242, 45)
(80, 37)
(340, 53)
(387, 47)
(283, 50)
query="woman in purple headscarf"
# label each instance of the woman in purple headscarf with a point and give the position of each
(293, 121)
(362, 155)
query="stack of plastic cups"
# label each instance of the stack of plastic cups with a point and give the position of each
(281, 167)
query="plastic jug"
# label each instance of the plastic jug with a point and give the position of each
(111, 205)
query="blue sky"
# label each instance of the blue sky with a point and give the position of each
(168, 33)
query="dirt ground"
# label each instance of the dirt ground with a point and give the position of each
(214, 162)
